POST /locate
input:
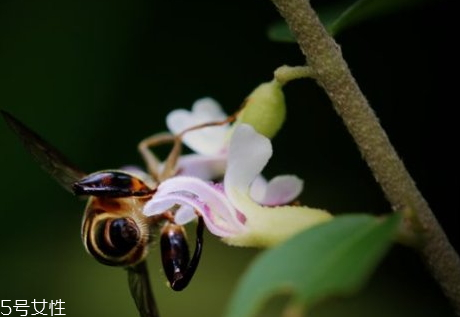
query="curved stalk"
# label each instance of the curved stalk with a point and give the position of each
(284, 74)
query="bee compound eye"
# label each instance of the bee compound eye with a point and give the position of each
(123, 234)
(116, 237)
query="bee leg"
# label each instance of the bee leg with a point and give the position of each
(178, 267)
(153, 163)
(170, 163)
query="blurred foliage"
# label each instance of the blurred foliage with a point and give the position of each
(363, 10)
(341, 15)
(96, 77)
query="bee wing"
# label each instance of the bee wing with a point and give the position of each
(49, 158)
(141, 291)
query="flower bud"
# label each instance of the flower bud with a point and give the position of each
(265, 109)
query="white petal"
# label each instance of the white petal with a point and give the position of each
(279, 191)
(209, 109)
(156, 207)
(210, 140)
(258, 188)
(206, 167)
(248, 154)
(184, 214)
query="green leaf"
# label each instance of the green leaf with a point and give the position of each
(330, 259)
(340, 16)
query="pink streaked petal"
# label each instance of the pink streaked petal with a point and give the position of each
(210, 140)
(280, 190)
(215, 227)
(205, 192)
(206, 167)
(210, 202)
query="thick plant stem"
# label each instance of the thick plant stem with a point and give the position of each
(332, 73)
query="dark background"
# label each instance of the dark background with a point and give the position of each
(94, 78)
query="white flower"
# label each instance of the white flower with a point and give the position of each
(206, 141)
(228, 209)
(210, 143)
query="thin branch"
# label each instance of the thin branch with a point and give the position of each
(332, 73)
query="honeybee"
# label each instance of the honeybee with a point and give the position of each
(114, 230)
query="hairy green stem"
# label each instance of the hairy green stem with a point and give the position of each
(332, 73)
(285, 74)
